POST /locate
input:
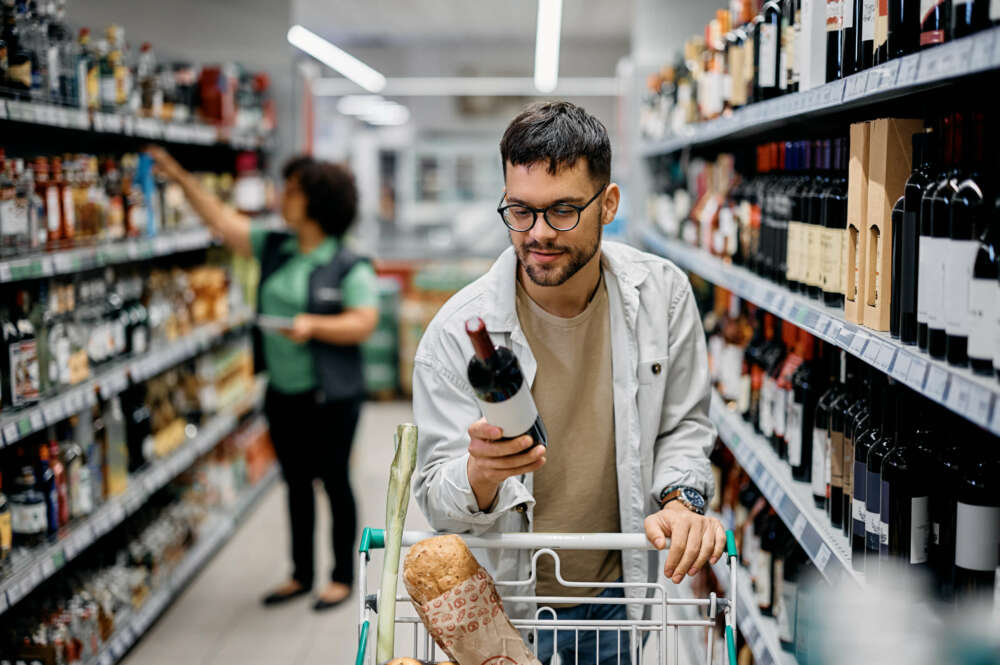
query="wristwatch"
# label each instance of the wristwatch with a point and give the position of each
(690, 498)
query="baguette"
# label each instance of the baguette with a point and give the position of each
(437, 565)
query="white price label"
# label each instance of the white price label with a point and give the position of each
(918, 370)
(10, 433)
(48, 567)
(995, 421)
(854, 86)
(982, 50)
(822, 557)
(871, 351)
(858, 343)
(107, 658)
(36, 420)
(937, 382)
(799, 526)
(885, 357)
(5, 273)
(979, 405)
(901, 368)
(834, 329)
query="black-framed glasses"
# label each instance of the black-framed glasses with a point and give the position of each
(560, 216)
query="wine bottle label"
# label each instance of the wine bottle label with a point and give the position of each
(984, 311)
(882, 23)
(762, 581)
(835, 15)
(858, 514)
(813, 254)
(848, 14)
(6, 533)
(768, 55)
(819, 462)
(780, 410)
(884, 520)
(868, 20)
(514, 415)
(994, 16)
(793, 432)
(873, 514)
(848, 469)
(791, 269)
(977, 532)
(52, 210)
(787, 611)
(28, 519)
(958, 275)
(25, 379)
(923, 273)
(743, 404)
(919, 529)
(934, 284)
(766, 419)
(831, 244)
(837, 458)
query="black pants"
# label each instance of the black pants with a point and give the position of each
(313, 440)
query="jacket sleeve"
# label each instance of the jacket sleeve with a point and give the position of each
(686, 435)
(443, 409)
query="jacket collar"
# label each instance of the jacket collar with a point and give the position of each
(502, 277)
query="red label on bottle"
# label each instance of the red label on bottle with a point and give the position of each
(932, 37)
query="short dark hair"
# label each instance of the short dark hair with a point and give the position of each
(331, 195)
(560, 133)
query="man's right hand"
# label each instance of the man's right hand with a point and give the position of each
(165, 162)
(492, 461)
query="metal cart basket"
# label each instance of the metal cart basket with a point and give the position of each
(661, 630)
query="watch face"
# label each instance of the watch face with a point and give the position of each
(694, 498)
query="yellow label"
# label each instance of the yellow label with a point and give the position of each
(6, 535)
(93, 87)
(813, 256)
(794, 235)
(830, 250)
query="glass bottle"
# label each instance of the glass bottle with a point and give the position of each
(821, 433)
(807, 387)
(29, 520)
(935, 205)
(6, 532)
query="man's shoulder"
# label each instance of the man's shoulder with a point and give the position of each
(444, 332)
(664, 271)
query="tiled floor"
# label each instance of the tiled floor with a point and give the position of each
(219, 620)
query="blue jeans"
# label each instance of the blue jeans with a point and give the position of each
(606, 651)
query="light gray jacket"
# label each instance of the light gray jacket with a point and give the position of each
(661, 394)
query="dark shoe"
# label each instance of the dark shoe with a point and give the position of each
(322, 605)
(279, 597)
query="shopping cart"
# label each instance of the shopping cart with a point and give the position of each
(661, 630)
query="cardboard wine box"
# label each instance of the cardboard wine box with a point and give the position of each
(889, 156)
(853, 267)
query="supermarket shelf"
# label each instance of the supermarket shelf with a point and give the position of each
(113, 379)
(64, 262)
(64, 117)
(217, 533)
(911, 74)
(976, 398)
(829, 549)
(43, 564)
(760, 632)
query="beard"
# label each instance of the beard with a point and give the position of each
(567, 265)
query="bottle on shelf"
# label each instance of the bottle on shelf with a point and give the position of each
(857, 417)
(879, 450)
(936, 205)
(948, 467)
(898, 231)
(767, 48)
(911, 263)
(814, 223)
(880, 48)
(968, 219)
(834, 39)
(836, 430)
(834, 221)
(849, 37)
(904, 28)
(47, 486)
(772, 357)
(821, 430)
(795, 343)
(865, 38)
(20, 362)
(984, 301)
(969, 16)
(863, 443)
(6, 531)
(935, 22)
(808, 386)
(752, 379)
(977, 524)
(29, 519)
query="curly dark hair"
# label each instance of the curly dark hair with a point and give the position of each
(331, 195)
(559, 133)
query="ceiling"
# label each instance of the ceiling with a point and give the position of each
(386, 22)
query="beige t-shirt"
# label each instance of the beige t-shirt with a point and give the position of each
(577, 489)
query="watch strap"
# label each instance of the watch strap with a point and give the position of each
(674, 493)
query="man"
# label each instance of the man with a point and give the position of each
(610, 341)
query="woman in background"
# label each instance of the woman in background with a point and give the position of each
(315, 387)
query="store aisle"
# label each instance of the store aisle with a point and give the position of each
(219, 620)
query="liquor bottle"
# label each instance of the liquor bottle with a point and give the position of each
(865, 42)
(907, 483)
(814, 221)
(969, 218)
(115, 448)
(138, 426)
(6, 532)
(977, 529)
(770, 543)
(18, 73)
(503, 395)
(808, 385)
(790, 12)
(773, 355)
(904, 28)
(783, 387)
(873, 475)
(836, 430)
(969, 16)
(849, 38)
(67, 211)
(821, 430)
(949, 466)
(907, 274)
(81, 494)
(17, 217)
(795, 565)
(29, 520)
(23, 385)
(111, 181)
(834, 220)
(940, 209)
(752, 379)
(863, 443)
(935, 22)
(881, 45)
(767, 43)
(795, 235)
(857, 418)
(834, 39)
(895, 305)
(984, 301)
(47, 486)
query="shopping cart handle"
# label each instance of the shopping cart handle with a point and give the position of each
(372, 539)
(731, 543)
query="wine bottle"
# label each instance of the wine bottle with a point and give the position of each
(834, 40)
(834, 227)
(948, 469)
(821, 430)
(969, 217)
(904, 28)
(838, 419)
(873, 474)
(774, 354)
(862, 446)
(977, 528)
(895, 306)
(503, 395)
(908, 275)
(907, 520)
(802, 411)
(784, 388)
(794, 564)
(768, 44)
(857, 418)
(865, 40)
(749, 392)
(984, 301)
(849, 38)
(940, 209)
(814, 228)
(969, 16)
(935, 22)
(881, 46)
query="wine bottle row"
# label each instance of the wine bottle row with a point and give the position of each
(897, 225)
(761, 49)
(903, 479)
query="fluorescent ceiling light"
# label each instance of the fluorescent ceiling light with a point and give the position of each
(547, 45)
(388, 115)
(360, 104)
(470, 86)
(335, 58)
(374, 109)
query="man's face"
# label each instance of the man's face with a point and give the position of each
(551, 257)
